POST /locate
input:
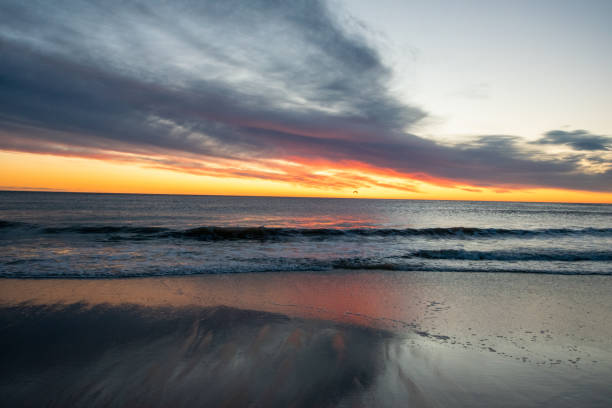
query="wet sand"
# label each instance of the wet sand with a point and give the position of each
(375, 338)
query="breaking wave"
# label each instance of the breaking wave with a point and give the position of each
(220, 233)
(536, 255)
(306, 265)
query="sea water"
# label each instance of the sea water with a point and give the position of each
(44, 234)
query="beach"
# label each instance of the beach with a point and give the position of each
(368, 338)
(314, 203)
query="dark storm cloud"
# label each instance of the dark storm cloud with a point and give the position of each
(578, 140)
(229, 80)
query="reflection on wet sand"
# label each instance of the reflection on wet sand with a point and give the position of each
(350, 298)
(446, 304)
(140, 356)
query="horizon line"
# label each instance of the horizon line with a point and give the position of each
(313, 197)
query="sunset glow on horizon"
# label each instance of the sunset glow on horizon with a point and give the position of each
(60, 174)
(311, 99)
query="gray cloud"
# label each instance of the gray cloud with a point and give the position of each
(236, 80)
(577, 140)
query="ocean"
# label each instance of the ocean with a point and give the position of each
(74, 235)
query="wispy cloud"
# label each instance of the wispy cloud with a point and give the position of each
(230, 89)
(577, 140)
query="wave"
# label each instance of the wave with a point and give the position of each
(543, 261)
(105, 229)
(265, 233)
(10, 224)
(384, 266)
(540, 255)
(220, 233)
(313, 266)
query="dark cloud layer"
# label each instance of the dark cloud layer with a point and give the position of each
(237, 80)
(577, 140)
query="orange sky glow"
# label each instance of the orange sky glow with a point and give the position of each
(123, 174)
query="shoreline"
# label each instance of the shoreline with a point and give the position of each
(406, 298)
(340, 270)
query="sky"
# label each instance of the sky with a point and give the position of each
(478, 100)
